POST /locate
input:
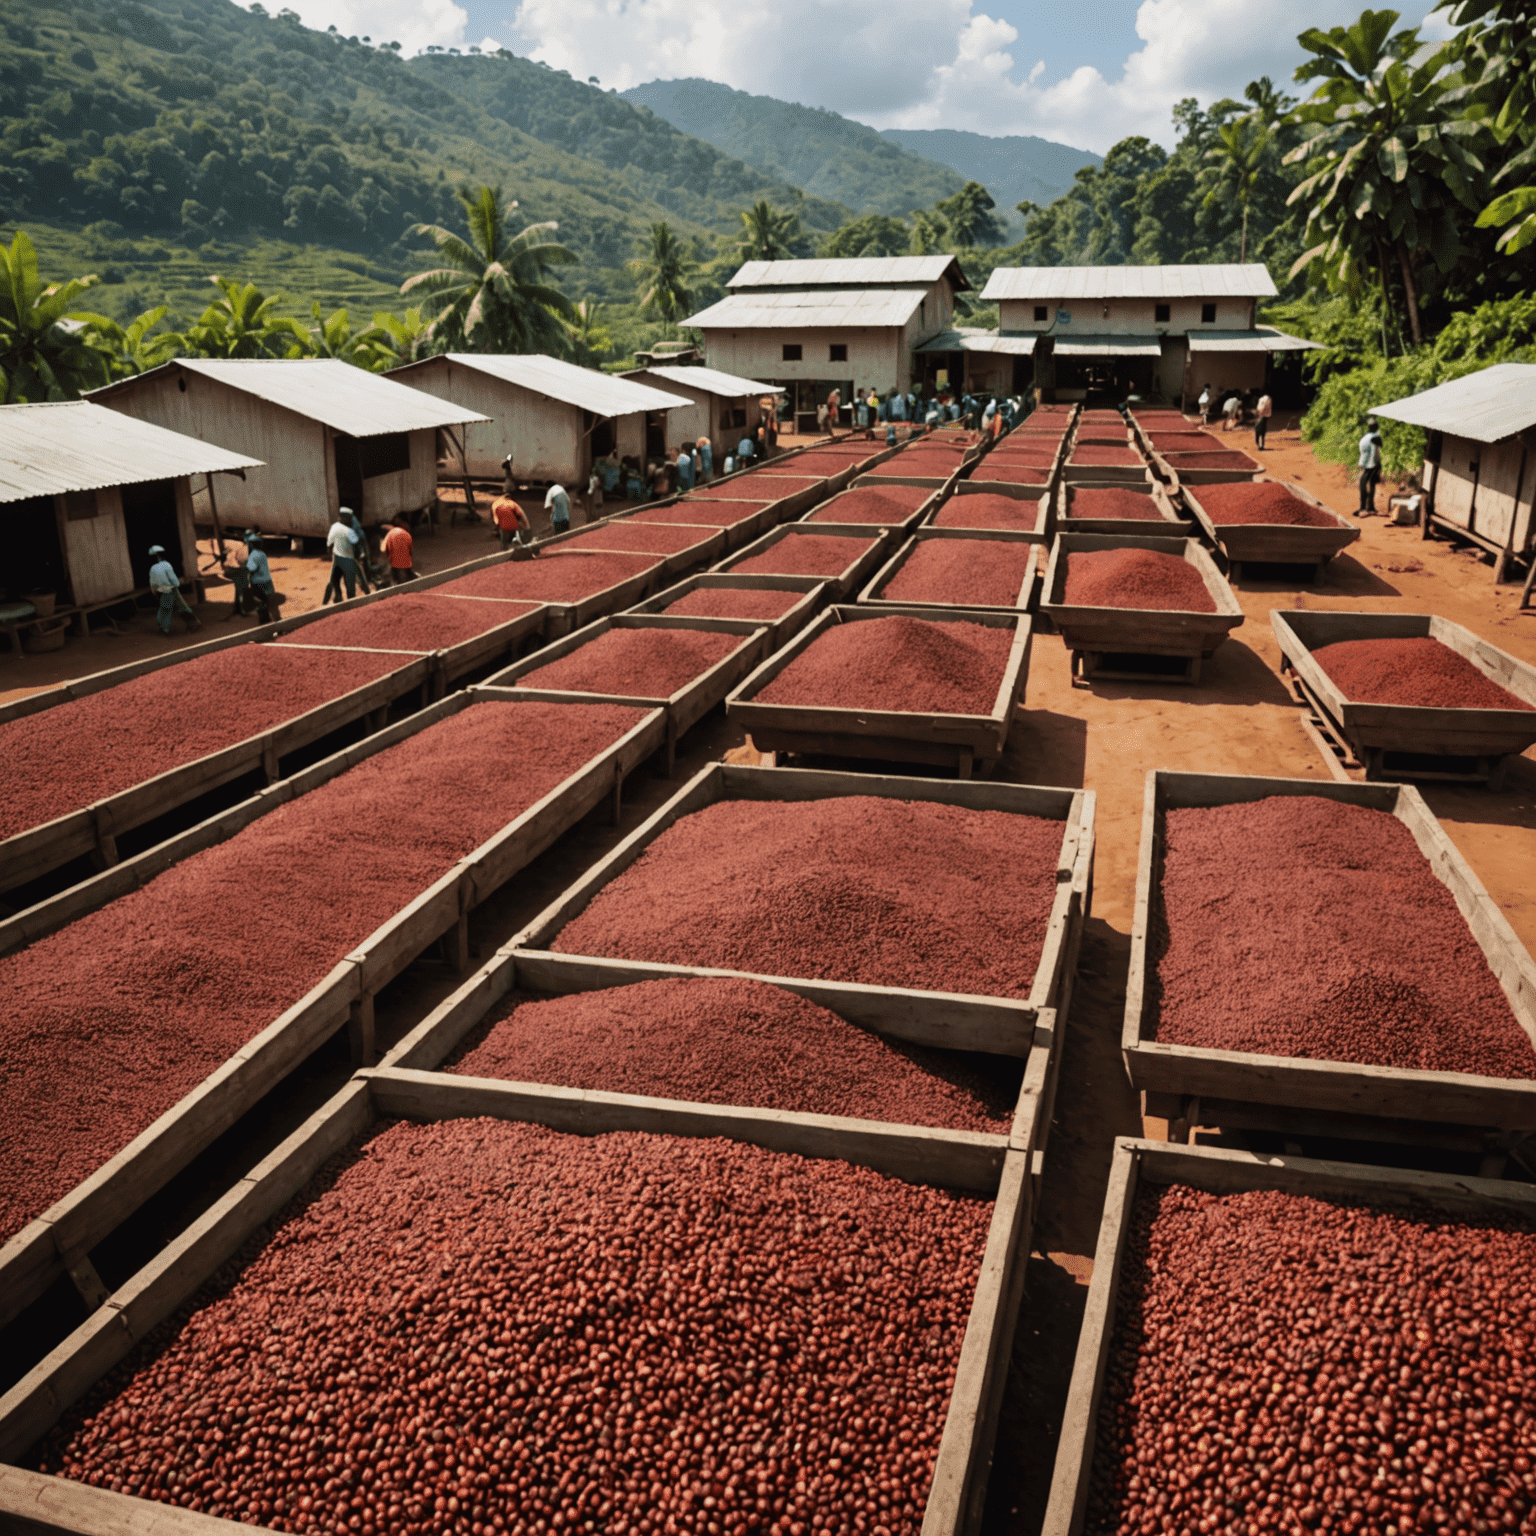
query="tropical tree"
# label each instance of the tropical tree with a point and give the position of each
(243, 322)
(968, 216)
(333, 337)
(45, 351)
(590, 340)
(1234, 166)
(493, 292)
(135, 347)
(928, 232)
(767, 233)
(391, 340)
(1497, 52)
(1390, 168)
(662, 272)
(876, 234)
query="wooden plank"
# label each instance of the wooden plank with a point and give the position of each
(37, 1504)
(918, 1154)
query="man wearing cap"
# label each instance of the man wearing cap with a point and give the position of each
(558, 504)
(166, 586)
(342, 540)
(512, 525)
(260, 574)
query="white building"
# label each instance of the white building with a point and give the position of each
(808, 327)
(1480, 459)
(1149, 330)
(550, 417)
(328, 435)
(723, 406)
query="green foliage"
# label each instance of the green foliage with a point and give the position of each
(45, 352)
(662, 272)
(767, 233)
(492, 293)
(876, 234)
(967, 217)
(137, 346)
(390, 341)
(591, 342)
(243, 322)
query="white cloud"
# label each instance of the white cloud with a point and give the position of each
(414, 24)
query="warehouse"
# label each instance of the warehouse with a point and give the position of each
(330, 435)
(809, 327)
(84, 493)
(724, 406)
(1166, 331)
(1479, 471)
(551, 418)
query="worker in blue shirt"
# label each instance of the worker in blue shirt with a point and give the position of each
(260, 574)
(166, 585)
(746, 450)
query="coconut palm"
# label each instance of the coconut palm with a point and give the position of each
(492, 293)
(1234, 166)
(45, 352)
(767, 233)
(243, 322)
(1389, 165)
(662, 272)
(591, 341)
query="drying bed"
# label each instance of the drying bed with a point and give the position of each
(915, 689)
(408, 621)
(1305, 1344)
(757, 484)
(722, 600)
(888, 506)
(1445, 734)
(1000, 473)
(582, 1412)
(1222, 464)
(1268, 521)
(1294, 995)
(1184, 442)
(680, 545)
(1098, 455)
(733, 516)
(804, 550)
(733, 603)
(1134, 578)
(172, 980)
(988, 510)
(730, 1040)
(952, 888)
(1110, 509)
(649, 663)
(84, 770)
(570, 577)
(957, 569)
(1263, 501)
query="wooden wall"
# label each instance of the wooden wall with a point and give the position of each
(1477, 485)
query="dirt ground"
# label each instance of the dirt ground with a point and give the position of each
(1105, 738)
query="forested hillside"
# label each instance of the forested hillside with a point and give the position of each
(193, 125)
(821, 152)
(1014, 168)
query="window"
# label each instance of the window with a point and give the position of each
(1161, 314)
(79, 506)
(838, 352)
(1040, 314)
(1207, 314)
(791, 351)
(736, 416)
(384, 455)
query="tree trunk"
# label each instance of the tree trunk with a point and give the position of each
(1242, 249)
(1386, 296)
(1414, 328)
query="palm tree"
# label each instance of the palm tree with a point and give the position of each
(45, 351)
(132, 349)
(493, 292)
(390, 341)
(1388, 162)
(662, 272)
(1234, 166)
(767, 233)
(242, 322)
(591, 340)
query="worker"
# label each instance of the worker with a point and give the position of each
(704, 461)
(1370, 468)
(746, 451)
(612, 471)
(685, 474)
(342, 540)
(594, 494)
(1205, 406)
(166, 585)
(558, 505)
(399, 546)
(364, 575)
(896, 406)
(512, 525)
(1261, 414)
(1232, 412)
(259, 572)
(834, 410)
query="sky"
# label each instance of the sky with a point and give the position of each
(1085, 73)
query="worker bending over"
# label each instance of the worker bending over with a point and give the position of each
(259, 572)
(166, 585)
(512, 525)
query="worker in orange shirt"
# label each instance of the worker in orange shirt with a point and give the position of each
(398, 544)
(512, 525)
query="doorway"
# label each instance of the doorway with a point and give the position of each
(34, 558)
(655, 436)
(349, 473)
(149, 517)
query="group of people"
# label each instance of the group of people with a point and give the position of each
(1235, 407)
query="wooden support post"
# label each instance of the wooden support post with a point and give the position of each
(104, 855)
(669, 752)
(378, 719)
(92, 1289)
(459, 944)
(269, 761)
(1182, 1128)
(360, 1031)
(616, 799)
(967, 762)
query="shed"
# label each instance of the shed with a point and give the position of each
(84, 492)
(550, 417)
(331, 435)
(724, 405)
(1480, 458)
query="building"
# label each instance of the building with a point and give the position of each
(85, 492)
(1480, 458)
(808, 327)
(723, 406)
(549, 417)
(1166, 331)
(330, 436)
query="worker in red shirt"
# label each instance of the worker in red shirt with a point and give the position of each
(511, 521)
(398, 544)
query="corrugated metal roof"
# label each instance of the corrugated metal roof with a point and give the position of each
(1262, 338)
(849, 272)
(1487, 406)
(46, 450)
(794, 311)
(1213, 281)
(1108, 346)
(968, 340)
(601, 393)
(726, 385)
(345, 398)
